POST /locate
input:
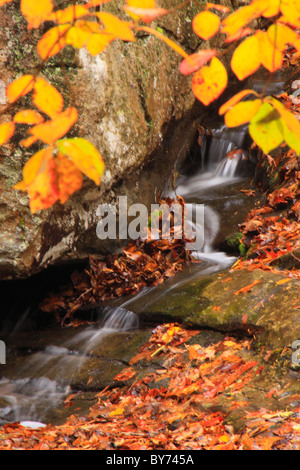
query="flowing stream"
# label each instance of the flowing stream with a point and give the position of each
(44, 377)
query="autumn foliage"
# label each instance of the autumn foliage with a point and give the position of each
(55, 172)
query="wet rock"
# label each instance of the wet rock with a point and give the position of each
(269, 310)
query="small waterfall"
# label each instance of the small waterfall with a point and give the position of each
(44, 378)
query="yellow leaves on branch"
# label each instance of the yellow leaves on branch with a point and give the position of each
(271, 123)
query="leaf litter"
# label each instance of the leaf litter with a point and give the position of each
(172, 405)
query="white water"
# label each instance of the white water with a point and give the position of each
(28, 399)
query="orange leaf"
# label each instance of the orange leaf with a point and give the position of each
(250, 49)
(43, 192)
(36, 12)
(39, 180)
(47, 98)
(113, 25)
(246, 288)
(235, 99)
(206, 24)
(70, 179)
(196, 61)
(19, 87)
(239, 19)
(52, 130)
(53, 41)
(32, 167)
(6, 131)
(210, 81)
(28, 116)
(239, 35)
(145, 14)
(283, 281)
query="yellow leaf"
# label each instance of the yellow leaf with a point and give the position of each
(266, 129)
(270, 57)
(268, 7)
(113, 25)
(141, 3)
(98, 42)
(235, 99)
(19, 87)
(292, 123)
(117, 412)
(53, 41)
(47, 98)
(69, 14)
(79, 34)
(239, 19)
(28, 116)
(6, 131)
(36, 12)
(246, 58)
(52, 130)
(291, 10)
(84, 156)
(210, 81)
(206, 24)
(242, 113)
(280, 35)
(69, 177)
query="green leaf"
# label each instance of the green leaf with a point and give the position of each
(84, 156)
(266, 128)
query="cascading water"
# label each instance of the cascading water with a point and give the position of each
(44, 378)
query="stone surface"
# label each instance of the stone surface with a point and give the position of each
(269, 310)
